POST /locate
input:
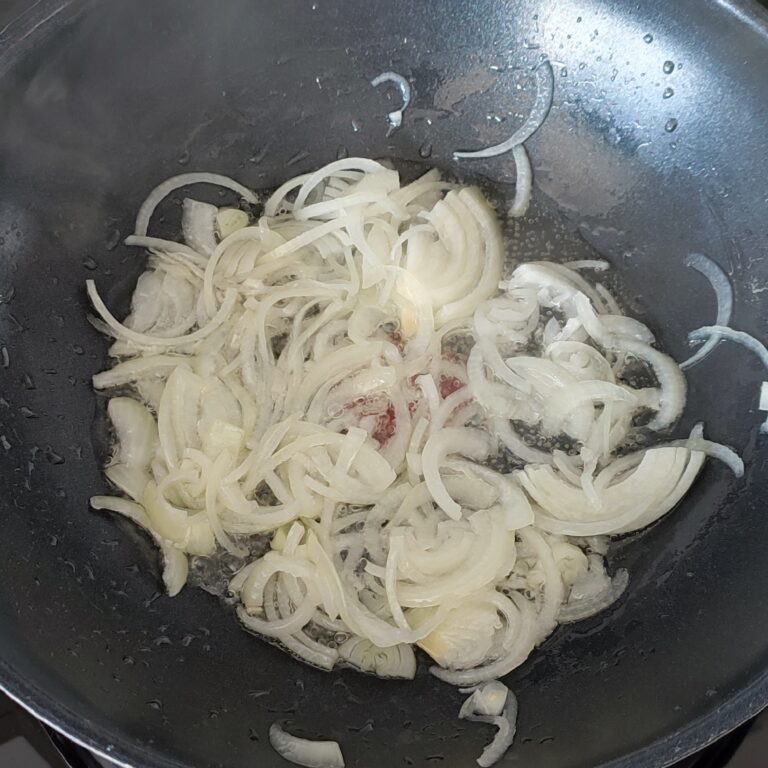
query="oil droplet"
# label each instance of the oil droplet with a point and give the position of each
(155, 704)
(425, 150)
(669, 67)
(564, 72)
(671, 125)
(648, 38)
(582, 65)
(668, 93)
(578, 19)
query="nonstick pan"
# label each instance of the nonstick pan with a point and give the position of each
(656, 147)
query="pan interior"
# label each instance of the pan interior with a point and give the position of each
(102, 101)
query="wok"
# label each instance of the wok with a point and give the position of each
(655, 147)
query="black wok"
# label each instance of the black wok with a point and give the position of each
(99, 101)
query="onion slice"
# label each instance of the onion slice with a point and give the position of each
(310, 754)
(175, 564)
(720, 332)
(475, 709)
(524, 182)
(763, 405)
(162, 191)
(724, 295)
(395, 117)
(545, 88)
(160, 341)
(594, 593)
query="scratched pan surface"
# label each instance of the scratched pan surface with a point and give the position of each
(656, 146)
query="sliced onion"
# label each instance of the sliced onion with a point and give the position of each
(763, 406)
(305, 378)
(136, 431)
(198, 225)
(594, 593)
(524, 182)
(719, 332)
(175, 564)
(311, 754)
(466, 442)
(395, 118)
(718, 451)
(545, 88)
(474, 709)
(139, 338)
(397, 661)
(487, 699)
(157, 244)
(184, 180)
(724, 295)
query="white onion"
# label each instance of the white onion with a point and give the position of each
(594, 593)
(438, 447)
(487, 699)
(158, 245)
(724, 295)
(397, 661)
(175, 564)
(142, 339)
(311, 754)
(523, 183)
(183, 180)
(718, 451)
(229, 220)
(719, 332)
(395, 118)
(475, 708)
(330, 377)
(198, 225)
(545, 87)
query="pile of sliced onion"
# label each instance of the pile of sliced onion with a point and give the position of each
(419, 457)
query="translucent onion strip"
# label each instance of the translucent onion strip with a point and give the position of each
(161, 191)
(545, 88)
(395, 117)
(311, 754)
(724, 295)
